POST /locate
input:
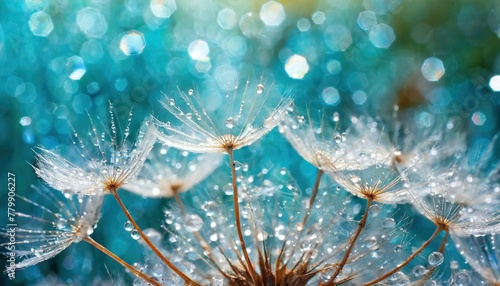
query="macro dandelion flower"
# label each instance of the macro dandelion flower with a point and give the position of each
(65, 220)
(169, 171)
(108, 164)
(104, 159)
(242, 120)
(281, 252)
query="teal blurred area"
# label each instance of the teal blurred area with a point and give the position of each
(61, 60)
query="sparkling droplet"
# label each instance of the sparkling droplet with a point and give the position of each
(237, 165)
(135, 234)
(193, 223)
(60, 223)
(260, 88)
(419, 270)
(398, 248)
(171, 101)
(228, 189)
(336, 117)
(229, 122)
(462, 278)
(389, 223)
(374, 210)
(190, 91)
(283, 171)
(210, 208)
(128, 226)
(435, 258)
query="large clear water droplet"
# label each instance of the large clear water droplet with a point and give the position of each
(60, 223)
(389, 223)
(435, 258)
(135, 234)
(128, 226)
(193, 222)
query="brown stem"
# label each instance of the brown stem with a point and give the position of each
(439, 228)
(187, 280)
(313, 197)
(121, 261)
(432, 268)
(237, 215)
(352, 240)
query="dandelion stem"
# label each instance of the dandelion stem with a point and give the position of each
(121, 261)
(237, 214)
(439, 228)
(352, 240)
(313, 197)
(433, 268)
(187, 280)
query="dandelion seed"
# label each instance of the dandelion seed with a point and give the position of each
(65, 221)
(244, 121)
(105, 161)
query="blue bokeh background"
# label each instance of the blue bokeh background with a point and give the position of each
(60, 59)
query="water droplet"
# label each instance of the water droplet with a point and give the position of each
(135, 234)
(389, 223)
(60, 223)
(193, 223)
(189, 115)
(398, 248)
(336, 117)
(300, 118)
(462, 278)
(260, 88)
(237, 165)
(190, 91)
(228, 189)
(338, 138)
(374, 210)
(435, 258)
(210, 208)
(171, 101)
(128, 226)
(419, 270)
(283, 171)
(229, 122)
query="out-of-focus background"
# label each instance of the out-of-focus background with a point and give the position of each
(62, 59)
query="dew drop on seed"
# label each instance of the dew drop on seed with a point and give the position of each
(171, 101)
(228, 189)
(135, 234)
(60, 223)
(336, 117)
(128, 226)
(260, 88)
(435, 258)
(190, 91)
(189, 115)
(398, 248)
(229, 122)
(338, 138)
(193, 223)
(210, 208)
(419, 270)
